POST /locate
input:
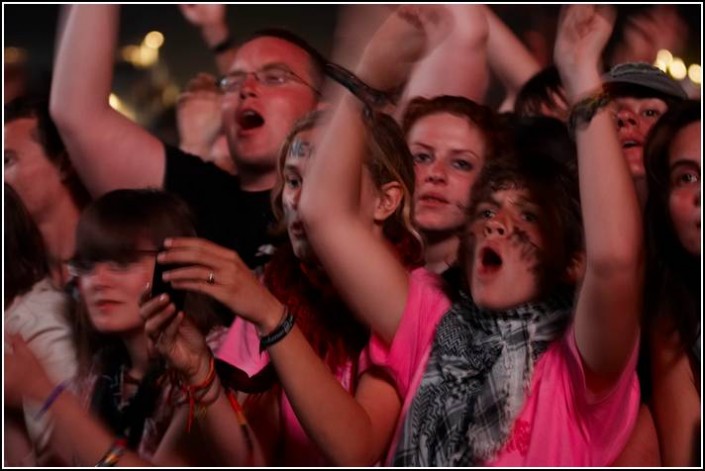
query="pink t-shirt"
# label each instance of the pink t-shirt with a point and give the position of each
(241, 349)
(561, 423)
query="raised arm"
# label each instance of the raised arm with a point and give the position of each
(609, 302)
(210, 19)
(361, 264)
(509, 58)
(108, 150)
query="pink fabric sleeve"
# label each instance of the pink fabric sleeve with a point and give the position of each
(425, 306)
(241, 348)
(610, 416)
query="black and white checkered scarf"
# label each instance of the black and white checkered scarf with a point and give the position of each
(476, 381)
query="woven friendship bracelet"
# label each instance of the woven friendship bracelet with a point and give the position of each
(113, 455)
(279, 333)
(583, 111)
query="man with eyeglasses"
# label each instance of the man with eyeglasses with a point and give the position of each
(273, 80)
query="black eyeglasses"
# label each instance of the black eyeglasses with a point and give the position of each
(272, 76)
(84, 267)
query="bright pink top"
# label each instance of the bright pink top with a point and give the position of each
(561, 424)
(241, 349)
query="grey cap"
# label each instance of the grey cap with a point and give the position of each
(644, 75)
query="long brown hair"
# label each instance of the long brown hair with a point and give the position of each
(673, 281)
(24, 257)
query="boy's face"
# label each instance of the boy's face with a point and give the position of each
(504, 260)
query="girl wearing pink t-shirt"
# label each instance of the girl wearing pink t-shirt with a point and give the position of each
(517, 374)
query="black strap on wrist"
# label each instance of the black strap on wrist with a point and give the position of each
(368, 95)
(223, 45)
(278, 333)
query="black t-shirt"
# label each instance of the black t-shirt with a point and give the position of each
(236, 219)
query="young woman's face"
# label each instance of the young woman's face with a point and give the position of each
(449, 153)
(112, 291)
(634, 118)
(684, 178)
(293, 175)
(505, 256)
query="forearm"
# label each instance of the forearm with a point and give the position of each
(508, 57)
(213, 35)
(80, 438)
(334, 173)
(331, 416)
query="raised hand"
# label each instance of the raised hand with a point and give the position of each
(220, 273)
(583, 32)
(202, 15)
(406, 36)
(198, 115)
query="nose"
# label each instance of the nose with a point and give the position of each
(249, 85)
(436, 173)
(99, 276)
(625, 117)
(498, 226)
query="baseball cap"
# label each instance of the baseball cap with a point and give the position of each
(644, 75)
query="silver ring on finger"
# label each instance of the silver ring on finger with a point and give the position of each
(211, 278)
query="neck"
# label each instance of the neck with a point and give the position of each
(441, 250)
(251, 180)
(136, 345)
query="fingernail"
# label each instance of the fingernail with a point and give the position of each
(163, 297)
(161, 256)
(167, 242)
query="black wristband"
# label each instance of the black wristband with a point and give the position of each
(223, 45)
(368, 95)
(279, 333)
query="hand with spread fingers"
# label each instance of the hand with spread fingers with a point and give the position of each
(583, 32)
(198, 115)
(218, 272)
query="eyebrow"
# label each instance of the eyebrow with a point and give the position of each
(684, 162)
(452, 151)
(270, 65)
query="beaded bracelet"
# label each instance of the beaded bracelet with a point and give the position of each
(114, 453)
(51, 398)
(279, 332)
(583, 111)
